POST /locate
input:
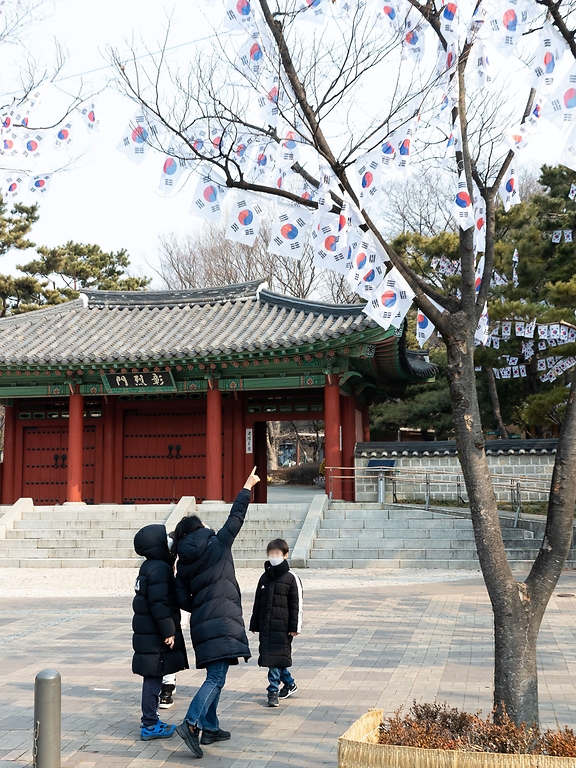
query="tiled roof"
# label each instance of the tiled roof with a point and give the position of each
(448, 448)
(105, 326)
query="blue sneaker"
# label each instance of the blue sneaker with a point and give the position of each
(159, 731)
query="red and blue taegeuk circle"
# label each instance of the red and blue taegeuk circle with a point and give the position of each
(273, 94)
(388, 298)
(477, 283)
(479, 222)
(330, 243)
(411, 38)
(170, 166)
(510, 185)
(40, 183)
(246, 217)
(549, 62)
(510, 20)
(63, 134)
(198, 145)
(449, 11)
(6, 123)
(570, 98)
(262, 159)
(243, 7)
(256, 52)
(361, 260)
(463, 200)
(241, 150)
(8, 143)
(210, 193)
(387, 148)
(341, 222)
(91, 116)
(13, 187)
(367, 180)
(369, 276)
(422, 321)
(289, 142)
(390, 12)
(289, 231)
(139, 134)
(31, 145)
(404, 148)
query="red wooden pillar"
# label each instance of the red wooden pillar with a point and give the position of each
(75, 458)
(333, 433)
(213, 442)
(348, 410)
(238, 444)
(366, 423)
(261, 462)
(8, 490)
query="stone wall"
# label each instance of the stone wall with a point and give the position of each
(532, 471)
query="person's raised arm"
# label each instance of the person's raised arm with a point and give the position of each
(231, 527)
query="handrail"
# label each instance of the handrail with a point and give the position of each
(515, 483)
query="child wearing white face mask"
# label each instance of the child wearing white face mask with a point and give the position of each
(277, 617)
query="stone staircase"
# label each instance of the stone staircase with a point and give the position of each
(102, 535)
(364, 535)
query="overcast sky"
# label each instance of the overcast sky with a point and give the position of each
(104, 198)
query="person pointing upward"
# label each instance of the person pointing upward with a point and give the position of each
(206, 587)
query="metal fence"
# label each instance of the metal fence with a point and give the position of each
(394, 480)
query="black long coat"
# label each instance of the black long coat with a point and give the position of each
(277, 612)
(156, 611)
(207, 588)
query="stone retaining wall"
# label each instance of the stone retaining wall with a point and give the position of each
(521, 468)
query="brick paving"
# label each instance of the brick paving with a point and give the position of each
(364, 644)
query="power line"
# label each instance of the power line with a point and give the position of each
(135, 58)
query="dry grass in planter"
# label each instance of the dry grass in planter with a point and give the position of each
(435, 736)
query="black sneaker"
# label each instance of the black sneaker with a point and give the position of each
(209, 737)
(166, 700)
(273, 700)
(191, 738)
(287, 690)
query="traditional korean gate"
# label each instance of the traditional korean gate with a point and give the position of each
(45, 467)
(164, 454)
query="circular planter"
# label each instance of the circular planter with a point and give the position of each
(359, 748)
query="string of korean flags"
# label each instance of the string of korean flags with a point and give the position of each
(340, 241)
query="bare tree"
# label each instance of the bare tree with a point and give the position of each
(317, 90)
(207, 258)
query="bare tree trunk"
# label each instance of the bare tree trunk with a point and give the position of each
(272, 439)
(518, 607)
(496, 403)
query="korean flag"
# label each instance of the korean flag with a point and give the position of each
(64, 136)
(30, 144)
(508, 189)
(208, 196)
(368, 268)
(244, 219)
(240, 15)
(15, 185)
(172, 174)
(289, 230)
(135, 142)
(424, 326)
(313, 11)
(251, 58)
(325, 239)
(88, 112)
(391, 302)
(40, 185)
(462, 209)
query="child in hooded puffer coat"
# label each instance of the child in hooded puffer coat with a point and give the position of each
(277, 616)
(158, 641)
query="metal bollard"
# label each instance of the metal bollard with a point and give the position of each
(381, 489)
(47, 719)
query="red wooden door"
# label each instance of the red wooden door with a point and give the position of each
(45, 463)
(164, 454)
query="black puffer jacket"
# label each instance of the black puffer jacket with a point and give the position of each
(207, 588)
(156, 611)
(277, 611)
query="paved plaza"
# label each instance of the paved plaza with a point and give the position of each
(370, 638)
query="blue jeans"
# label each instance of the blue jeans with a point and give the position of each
(151, 687)
(276, 675)
(202, 710)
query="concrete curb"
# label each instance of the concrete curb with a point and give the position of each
(301, 551)
(14, 513)
(185, 508)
